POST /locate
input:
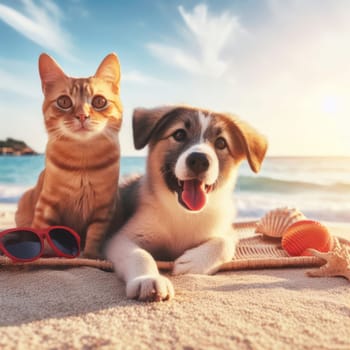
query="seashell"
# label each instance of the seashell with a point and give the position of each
(306, 234)
(337, 261)
(275, 222)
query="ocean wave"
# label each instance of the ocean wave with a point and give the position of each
(268, 184)
(11, 193)
(256, 205)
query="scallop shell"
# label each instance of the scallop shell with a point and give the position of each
(276, 222)
(306, 234)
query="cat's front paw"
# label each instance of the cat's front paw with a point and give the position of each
(150, 288)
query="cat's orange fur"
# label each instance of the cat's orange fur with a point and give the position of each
(78, 187)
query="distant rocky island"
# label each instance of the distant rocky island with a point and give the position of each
(14, 147)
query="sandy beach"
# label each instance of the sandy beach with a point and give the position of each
(7, 213)
(86, 308)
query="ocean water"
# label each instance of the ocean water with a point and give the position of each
(319, 187)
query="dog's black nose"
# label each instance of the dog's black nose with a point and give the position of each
(197, 162)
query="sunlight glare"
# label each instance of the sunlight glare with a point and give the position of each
(331, 104)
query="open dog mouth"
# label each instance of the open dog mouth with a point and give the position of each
(192, 194)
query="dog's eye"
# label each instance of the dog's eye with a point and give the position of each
(220, 143)
(179, 135)
(64, 102)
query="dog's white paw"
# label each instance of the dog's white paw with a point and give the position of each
(192, 261)
(206, 258)
(150, 288)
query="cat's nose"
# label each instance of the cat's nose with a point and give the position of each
(82, 117)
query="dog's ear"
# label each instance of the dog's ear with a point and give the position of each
(144, 122)
(253, 143)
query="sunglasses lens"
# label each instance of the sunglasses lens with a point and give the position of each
(22, 244)
(64, 241)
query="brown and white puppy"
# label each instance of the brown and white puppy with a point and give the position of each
(182, 208)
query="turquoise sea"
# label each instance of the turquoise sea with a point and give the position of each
(319, 187)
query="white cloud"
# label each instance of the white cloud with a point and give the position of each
(18, 85)
(40, 23)
(208, 35)
(277, 77)
(137, 77)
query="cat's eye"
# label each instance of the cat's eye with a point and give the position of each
(220, 143)
(64, 102)
(99, 102)
(179, 135)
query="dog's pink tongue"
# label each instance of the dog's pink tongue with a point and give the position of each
(194, 195)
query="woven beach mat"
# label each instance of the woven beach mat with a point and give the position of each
(253, 251)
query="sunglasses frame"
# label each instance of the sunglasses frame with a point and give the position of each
(42, 234)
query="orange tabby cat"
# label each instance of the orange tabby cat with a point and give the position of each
(78, 187)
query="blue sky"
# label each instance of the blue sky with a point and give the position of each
(282, 65)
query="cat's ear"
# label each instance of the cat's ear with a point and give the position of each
(49, 71)
(109, 69)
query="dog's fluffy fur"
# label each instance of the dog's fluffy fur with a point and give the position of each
(182, 208)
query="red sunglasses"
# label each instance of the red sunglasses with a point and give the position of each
(24, 244)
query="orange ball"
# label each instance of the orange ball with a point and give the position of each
(306, 234)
